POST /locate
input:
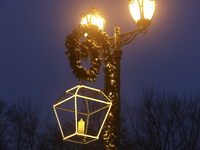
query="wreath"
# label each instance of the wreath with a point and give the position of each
(95, 45)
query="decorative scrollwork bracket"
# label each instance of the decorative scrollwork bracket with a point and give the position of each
(112, 42)
(126, 38)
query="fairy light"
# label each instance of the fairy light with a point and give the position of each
(65, 100)
(85, 34)
(76, 109)
(71, 89)
(69, 136)
(105, 97)
(93, 99)
(104, 120)
(58, 121)
(99, 110)
(76, 94)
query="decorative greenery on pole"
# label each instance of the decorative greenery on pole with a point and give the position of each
(98, 45)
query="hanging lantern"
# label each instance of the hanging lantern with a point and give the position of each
(81, 113)
(93, 17)
(142, 11)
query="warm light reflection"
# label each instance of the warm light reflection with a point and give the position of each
(142, 9)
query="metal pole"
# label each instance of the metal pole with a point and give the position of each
(117, 56)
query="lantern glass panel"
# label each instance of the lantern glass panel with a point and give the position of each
(135, 10)
(142, 9)
(96, 20)
(149, 8)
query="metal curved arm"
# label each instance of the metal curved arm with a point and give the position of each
(112, 41)
(126, 38)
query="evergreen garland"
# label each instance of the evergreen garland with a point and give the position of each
(92, 46)
(110, 89)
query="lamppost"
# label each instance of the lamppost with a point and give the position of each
(98, 45)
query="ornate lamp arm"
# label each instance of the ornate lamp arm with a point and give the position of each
(112, 41)
(126, 38)
(112, 135)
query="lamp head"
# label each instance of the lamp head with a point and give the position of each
(142, 12)
(93, 16)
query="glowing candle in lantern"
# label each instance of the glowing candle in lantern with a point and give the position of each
(81, 126)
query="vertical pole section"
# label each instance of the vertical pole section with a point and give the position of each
(117, 56)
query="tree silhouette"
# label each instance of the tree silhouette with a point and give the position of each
(4, 126)
(163, 122)
(25, 124)
(157, 121)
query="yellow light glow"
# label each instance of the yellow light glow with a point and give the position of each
(85, 34)
(136, 9)
(87, 87)
(58, 121)
(90, 136)
(84, 20)
(81, 126)
(94, 17)
(75, 100)
(105, 97)
(65, 138)
(82, 142)
(64, 100)
(95, 20)
(93, 99)
(149, 8)
(104, 120)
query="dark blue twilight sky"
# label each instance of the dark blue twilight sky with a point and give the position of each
(32, 50)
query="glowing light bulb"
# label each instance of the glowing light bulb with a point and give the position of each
(93, 17)
(142, 11)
